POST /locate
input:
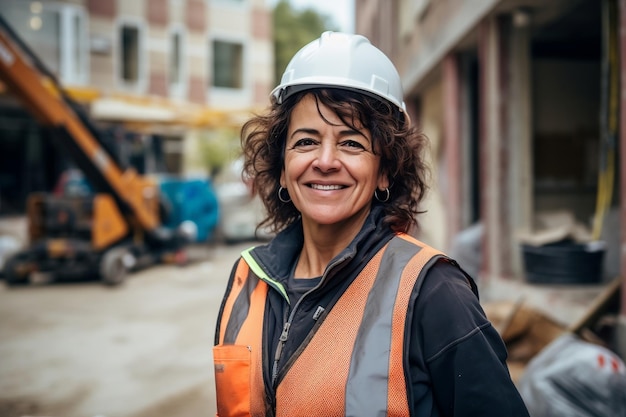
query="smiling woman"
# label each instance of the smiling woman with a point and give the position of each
(343, 301)
(331, 172)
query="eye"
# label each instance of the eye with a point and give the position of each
(304, 142)
(353, 144)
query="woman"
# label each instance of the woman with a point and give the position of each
(343, 313)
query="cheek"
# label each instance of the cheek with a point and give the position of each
(291, 169)
(295, 160)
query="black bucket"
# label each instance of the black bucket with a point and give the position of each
(564, 262)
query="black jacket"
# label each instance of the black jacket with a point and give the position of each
(456, 358)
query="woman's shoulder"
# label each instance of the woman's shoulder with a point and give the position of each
(439, 264)
(446, 280)
(448, 304)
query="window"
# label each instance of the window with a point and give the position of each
(176, 58)
(129, 50)
(56, 33)
(131, 55)
(227, 64)
(177, 74)
(79, 45)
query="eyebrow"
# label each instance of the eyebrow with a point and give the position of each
(310, 131)
(345, 132)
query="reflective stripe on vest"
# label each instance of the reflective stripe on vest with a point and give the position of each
(356, 369)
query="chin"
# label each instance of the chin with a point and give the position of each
(331, 217)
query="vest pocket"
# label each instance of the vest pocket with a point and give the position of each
(232, 380)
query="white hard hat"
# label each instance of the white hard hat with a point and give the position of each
(341, 60)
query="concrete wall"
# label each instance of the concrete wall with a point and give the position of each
(433, 228)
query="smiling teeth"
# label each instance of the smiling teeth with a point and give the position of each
(325, 187)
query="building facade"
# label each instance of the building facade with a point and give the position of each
(171, 68)
(520, 99)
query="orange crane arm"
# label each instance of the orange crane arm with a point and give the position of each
(44, 98)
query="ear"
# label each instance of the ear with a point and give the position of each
(281, 182)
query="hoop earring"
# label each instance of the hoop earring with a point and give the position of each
(382, 200)
(280, 195)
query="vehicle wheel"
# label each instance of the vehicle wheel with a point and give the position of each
(113, 269)
(10, 271)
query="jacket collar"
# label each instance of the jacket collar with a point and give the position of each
(277, 257)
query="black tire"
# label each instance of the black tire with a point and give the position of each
(113, 270)
(11, 277)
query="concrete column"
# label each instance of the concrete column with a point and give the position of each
(452, 145)
(489, 128)
(621, 331)
(520, 131)
(497, 151)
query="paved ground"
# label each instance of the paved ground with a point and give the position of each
(139, 350)
(144, 349)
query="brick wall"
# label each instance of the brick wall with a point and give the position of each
(197, 88)
(261, 23)
(196, 15)
(158, 84)
(157, 12)
(102, 8)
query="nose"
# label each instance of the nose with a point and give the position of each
(327, 159)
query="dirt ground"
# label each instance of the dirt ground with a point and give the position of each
(139, 350)
(144, 349)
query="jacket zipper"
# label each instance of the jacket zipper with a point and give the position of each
(287, 321)
(279, 349)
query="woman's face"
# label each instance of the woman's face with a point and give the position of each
(330, 171)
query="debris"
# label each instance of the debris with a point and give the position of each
(572, 377)
(555, 226)
(527, 332)
(524, 330)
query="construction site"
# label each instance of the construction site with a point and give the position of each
(122, 206)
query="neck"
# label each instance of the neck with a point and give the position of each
(322, 243)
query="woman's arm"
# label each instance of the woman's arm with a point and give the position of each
(457, 359)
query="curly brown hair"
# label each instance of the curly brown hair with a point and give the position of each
(400, 146)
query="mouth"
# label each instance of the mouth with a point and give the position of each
(327, 187)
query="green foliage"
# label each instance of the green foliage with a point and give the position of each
(218, 147)
(292, 30)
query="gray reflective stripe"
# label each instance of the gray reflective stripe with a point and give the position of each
(256, 268)
(366, 388)
(241, 306)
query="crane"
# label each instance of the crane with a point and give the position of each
(109, 232)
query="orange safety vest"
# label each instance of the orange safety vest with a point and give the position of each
(353, 365)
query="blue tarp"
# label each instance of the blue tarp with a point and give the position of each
(191, 199)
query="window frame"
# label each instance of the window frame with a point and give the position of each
(232, 41)
(73, 72)
(223, 96)
(140, 84)
(177, 88)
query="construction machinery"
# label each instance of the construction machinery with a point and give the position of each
(117, 227)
